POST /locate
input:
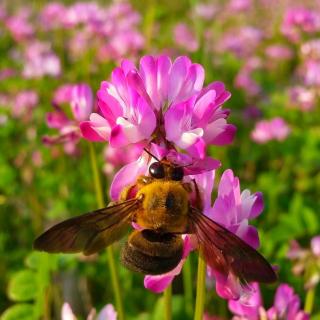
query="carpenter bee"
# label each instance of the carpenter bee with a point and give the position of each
(160, 204)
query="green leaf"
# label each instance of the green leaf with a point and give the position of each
(23, 286)
(21, 311)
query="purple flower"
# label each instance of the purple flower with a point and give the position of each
(298, 20)
(205, 11)
(310, 71)
(279, 52)
(302, 98)
(247, 309)
(107, 313)
(244, 79)
(239, 5)
(19, 25)
(143, 105)
(52, 15)
(266, 130)
(24, 102)
(315, 246)
(80, 99)
(233, 210)
(40, 61)
(184, 37)
(286, 306)
(241, 42)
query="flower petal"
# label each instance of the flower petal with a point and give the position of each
(126, 176)
(97, 129)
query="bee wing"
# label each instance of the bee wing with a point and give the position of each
(226, 252)
(89, 232)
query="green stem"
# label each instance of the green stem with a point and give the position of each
(96, 177)
(187, 286)
(112, 266)
(201, 287)
(309, 300)
(167, 303)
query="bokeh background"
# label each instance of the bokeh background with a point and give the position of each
(267, 52)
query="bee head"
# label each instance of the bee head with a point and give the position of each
(166, 170)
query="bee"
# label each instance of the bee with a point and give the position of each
(162, 208)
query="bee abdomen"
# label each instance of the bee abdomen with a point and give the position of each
(150, 252)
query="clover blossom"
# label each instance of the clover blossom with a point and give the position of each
(143, 105)
(299, 20)
(286, 306)
(267, 130)
(80, 99)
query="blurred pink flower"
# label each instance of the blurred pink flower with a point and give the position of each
(298, 20)
(303, 98)
(244, 79)
(185, 38)
(7, 73)
(80, 99)
(52, 15)
(286, 306)
(116, 158)
(310, 71)
(306, 261)
(239, 5)
(241, 42)
(266, 130)
(40, 61)
(138, 103)
(107, 313)
(62, 94)
(24, 102)
(311, 49)
(19, 25)
(279, 52)
(205, 11)
(315, 246)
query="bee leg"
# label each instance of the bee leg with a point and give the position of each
(187, 186)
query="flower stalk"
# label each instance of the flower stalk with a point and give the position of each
(187, 285)
(201, 287)
(168, 303)
(309, 300)
(112, 266)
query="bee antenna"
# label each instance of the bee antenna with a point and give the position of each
(150, 154)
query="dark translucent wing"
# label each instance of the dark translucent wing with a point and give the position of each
(89, 232)
(225, 252)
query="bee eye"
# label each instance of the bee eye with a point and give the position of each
(156, 170)
(177, 174)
